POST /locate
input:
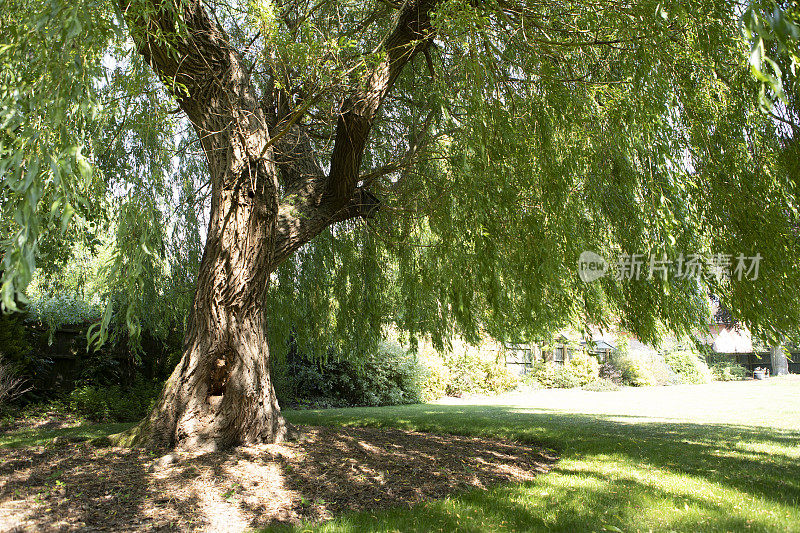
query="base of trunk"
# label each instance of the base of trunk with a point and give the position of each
(219, 396)
(152, 436)
(143, 435)
(206, 431)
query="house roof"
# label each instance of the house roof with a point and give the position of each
(601, 344)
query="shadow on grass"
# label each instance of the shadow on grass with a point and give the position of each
(616, 473)
(331, 470)
(45, 434)
(76, 487)
(623, 472)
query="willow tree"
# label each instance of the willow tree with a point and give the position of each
(435, 164)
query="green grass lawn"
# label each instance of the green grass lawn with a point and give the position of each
(719, 457)
(42, 437)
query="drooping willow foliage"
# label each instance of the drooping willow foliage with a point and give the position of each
(527, 133)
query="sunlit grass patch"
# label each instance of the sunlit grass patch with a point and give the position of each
(43, 437)
(704, 461)
(626, 465)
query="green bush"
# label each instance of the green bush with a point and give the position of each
(583, 367)
(63, 309)
(578, 371)
(114, 403)
(498, 378)
(601, 385)
(436, 377)
(472, 374)
(553, 375)
(11, 385)
(610, 372)
(727, 371)
(688, 366)
(635, 371)
(20, 362)
(14, 346)
(388, 377)
(465, 373)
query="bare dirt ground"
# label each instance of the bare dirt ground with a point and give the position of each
(73, 486)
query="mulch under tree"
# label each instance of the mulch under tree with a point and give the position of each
(328, 471)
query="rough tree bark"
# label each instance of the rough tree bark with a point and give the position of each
(269, 197)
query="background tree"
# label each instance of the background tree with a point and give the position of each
(438, 165)
(778, 360)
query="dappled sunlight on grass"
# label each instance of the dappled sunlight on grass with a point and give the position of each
(39, 437)
(768, 449)
(644, 468)
(619, 471)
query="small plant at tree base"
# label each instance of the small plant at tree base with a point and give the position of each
(114, 403)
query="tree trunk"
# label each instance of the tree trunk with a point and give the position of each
(777, 356)
(220, 394)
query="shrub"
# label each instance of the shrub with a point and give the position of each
(11, 386)
(19, 361)
(436, 378)
(601, 385)
(498, 378)
(610, 372)
(688, 366)
(470, 373)
(465, 373)
(114, 403)
(63, 309)
(727, 371)
(635, 371)
(579, 370)
(583, 367)
(554, 375)
(390, 376)
(661, 371)
(14, 346)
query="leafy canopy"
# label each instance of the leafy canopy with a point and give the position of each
(525, 134)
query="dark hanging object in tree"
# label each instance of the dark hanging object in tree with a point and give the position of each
(368, 204)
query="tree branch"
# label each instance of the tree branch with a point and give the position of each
(314, 202)
(411, 34)
(192, 56)
(418, 142)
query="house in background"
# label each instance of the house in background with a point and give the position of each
(724, 334)
(601, 349)
(520, 357)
